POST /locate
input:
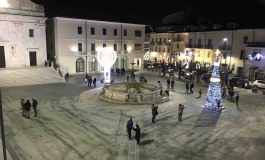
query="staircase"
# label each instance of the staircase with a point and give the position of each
(28, 76)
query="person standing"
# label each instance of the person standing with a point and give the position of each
(22, 107)
(137, 133)
(200, 93)
(181, 109)
(237, 98)
(27, 106)
(34, 105)
(129, 128)
(154, 112)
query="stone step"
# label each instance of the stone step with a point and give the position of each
(28, 76)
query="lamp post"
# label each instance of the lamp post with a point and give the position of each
(226, 43)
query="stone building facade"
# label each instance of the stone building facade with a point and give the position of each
(22, 34)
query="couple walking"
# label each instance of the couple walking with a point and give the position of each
(136, 128)
(25, 107)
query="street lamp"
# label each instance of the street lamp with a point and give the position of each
(225, 53)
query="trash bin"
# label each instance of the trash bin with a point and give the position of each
(255, 90)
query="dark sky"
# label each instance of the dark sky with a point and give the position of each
(151, 12)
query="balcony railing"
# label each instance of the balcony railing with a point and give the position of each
(159, 43)
(178, 39)
(84, 53)
(256, 44)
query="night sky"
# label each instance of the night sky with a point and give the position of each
(247, 12)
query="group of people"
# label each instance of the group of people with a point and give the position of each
(90, 80)
(137, 129)
(25, 107)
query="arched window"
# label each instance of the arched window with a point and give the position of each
(80, 66)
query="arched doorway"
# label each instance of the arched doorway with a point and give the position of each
(80, 65)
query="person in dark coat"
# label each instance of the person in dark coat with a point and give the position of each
(34, 105)
(89, 81)
(129, 128)
(191, 87)
(237, 98)
(137, 133)
(154, 112)
(27, 106)
(187, 87)
(94, 81)
(181, 109)
(168, 83)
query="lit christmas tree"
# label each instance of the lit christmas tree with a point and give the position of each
(214, 94)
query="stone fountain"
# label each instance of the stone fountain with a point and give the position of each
(133, 92)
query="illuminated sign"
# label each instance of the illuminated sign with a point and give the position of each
(106, 57)
(256, 56)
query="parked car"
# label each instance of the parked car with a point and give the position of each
(240, 81)
(258, 84)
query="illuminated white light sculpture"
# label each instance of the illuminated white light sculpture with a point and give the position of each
(4, 3)
(107, 57)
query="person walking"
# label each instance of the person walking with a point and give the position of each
(200, 93)
(129, 127)
(172, 83)
(137, 133)
(237, 98)
(181, 109)
(34, 105)
(191, 87)
(187, 88)
(94, 81)
(22, 107)
(154, 112)
(27, 106)
(168, 83)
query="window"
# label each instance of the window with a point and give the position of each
(152, 39)
(242, 54)
(104, 31)
(137, 46)
(80, 46)
(79, 30)
(177, 45)
(209, 42)
(159, 49)
(156, 39)
(168, 50)
(115, 46)
(245, 40)
(92, 31)
(31, 33)
(125, 32)
(160, 39)
(138, 33)
(104, 45)
(164, 50)
(165, 40)
(199, 42)
(178, 37)
(190, 42)
(80, 65)
(125, 47)
(115, 32)
(93, 47)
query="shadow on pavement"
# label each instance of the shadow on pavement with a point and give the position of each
(146, 142)
(207, 118)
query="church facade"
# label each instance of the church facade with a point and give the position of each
(22, 34)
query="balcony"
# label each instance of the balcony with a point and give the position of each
(84, 53)
(223, 47)
(159, 43)
(152, 43)
(256, 44)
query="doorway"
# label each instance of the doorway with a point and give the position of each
(32, 58)
(2, 57)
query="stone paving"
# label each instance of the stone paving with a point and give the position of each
(74, 124)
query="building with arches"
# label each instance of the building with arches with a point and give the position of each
(22, 34)
(73, 44)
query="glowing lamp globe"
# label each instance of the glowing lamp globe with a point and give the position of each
(107, 57)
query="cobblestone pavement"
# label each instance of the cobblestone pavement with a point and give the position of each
(74, 124)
